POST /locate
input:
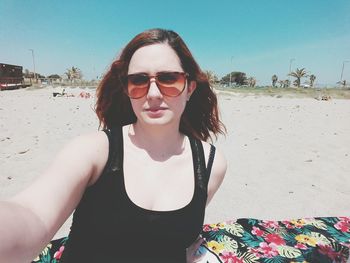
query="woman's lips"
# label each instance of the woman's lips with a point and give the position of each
(155, 111)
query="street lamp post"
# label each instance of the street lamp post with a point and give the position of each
(231, 72)
(33, 64)
(290, 67)
(342, 70)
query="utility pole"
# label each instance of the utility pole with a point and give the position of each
(34, 65)
(290, 68)
(231, 72)
(342, 70)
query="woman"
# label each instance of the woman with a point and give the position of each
(139, 187)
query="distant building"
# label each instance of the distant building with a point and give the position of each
(11, 77)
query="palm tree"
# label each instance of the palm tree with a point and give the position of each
(251, 82)
(73, 74)
(212, 78)
(312, 80)
(281, 82)
(68, 73)
(284, 83)
(274, 80)
(298, 74)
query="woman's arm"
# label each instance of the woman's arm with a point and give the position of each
(29, 220)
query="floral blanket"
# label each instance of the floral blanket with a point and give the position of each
(323, 239)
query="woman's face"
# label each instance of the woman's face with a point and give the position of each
(155, 108)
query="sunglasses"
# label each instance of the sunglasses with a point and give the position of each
(169, 83)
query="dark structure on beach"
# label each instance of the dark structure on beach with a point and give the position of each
(11, 77)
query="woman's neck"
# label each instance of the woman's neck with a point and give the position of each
(160, 142)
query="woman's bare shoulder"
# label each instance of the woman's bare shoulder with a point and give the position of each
(92, 139)
(92, 147)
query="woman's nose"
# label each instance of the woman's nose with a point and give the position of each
(153, 91)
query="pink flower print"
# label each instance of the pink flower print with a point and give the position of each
(345, 219)
(58, 253)
(300, 246)
(288, 224)
(270, 224)
(342, 226)
(255, 252)
(264, 250)
(206, 228)
(275, 239)
(257, 231)
(229, 257)
(268, 250)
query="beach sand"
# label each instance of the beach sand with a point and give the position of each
(287, 157)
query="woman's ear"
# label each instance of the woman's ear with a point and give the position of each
(191, 88)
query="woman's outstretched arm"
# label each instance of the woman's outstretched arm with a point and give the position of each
(29, 220)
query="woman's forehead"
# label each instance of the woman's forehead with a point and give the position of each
(154, 58)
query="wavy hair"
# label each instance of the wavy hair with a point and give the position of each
(200, 118)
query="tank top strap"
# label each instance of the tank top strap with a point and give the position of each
(116, 149)
(200, 169)
(210, 160)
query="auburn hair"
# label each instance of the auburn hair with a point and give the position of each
(200, 118)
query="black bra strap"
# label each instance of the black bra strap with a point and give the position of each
(210, 160)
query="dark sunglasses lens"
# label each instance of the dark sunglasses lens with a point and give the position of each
(171, 83)
(137, 85)
(138, 79)
(169, 77)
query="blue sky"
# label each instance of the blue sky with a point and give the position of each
(256, 37)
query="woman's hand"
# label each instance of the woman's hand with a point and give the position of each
(191, 255)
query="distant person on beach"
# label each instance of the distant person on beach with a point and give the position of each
(139, 188)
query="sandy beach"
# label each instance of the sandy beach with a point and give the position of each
(288, 157)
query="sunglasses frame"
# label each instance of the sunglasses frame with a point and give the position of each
(159, 86)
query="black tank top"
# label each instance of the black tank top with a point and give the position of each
(108, 227)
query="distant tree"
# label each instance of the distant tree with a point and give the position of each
(73, 74)
(39, 76)
(298, 74)
(240, 78)
(251, 82)
(312, 80)
(212, 78)
(284, 83)
(274, 80)
(68, 73)
(281, 82)
(54, 76)
(27, 74)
